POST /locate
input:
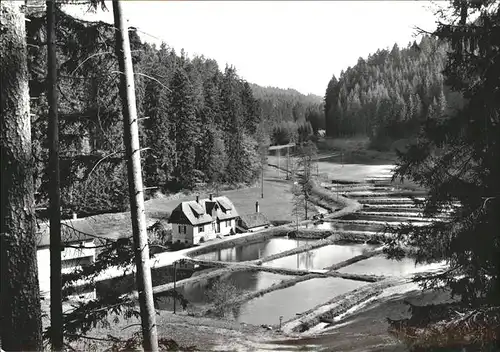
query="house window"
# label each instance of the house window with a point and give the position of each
(200, 229)
(179, 228)
(185, 229)
(75, 262)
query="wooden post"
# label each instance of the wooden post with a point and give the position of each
(175, 284)
(56, 314)
(136, 194)
(287, 163)
(262, 183)
(279, 152)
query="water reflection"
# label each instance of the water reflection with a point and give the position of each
(292, 300)
(380, 265)
(254, 251)
(245, 281)
(320, 258)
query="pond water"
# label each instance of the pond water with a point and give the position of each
(321, 257)
(336, 226)
(384, 218)
(379, 265)
(292, 300)
(254, 251)
(246, 281)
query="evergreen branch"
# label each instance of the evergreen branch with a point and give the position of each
(147, 76)
(101, 160)
(79, 336)
(94, 55)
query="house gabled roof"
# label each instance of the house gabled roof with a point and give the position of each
(72, 231)
(204, 211)
(225, 206)
(190, 213)
(250, 221)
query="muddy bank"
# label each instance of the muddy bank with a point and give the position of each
(242, 266)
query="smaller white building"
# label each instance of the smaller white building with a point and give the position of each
(78, 250)
(201, 220)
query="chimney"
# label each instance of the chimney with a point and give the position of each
(211, 196)
(197, 199)
(257, 206)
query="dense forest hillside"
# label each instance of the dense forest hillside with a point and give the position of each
(388, 95)
(290, 115)
(284, 104)
(199, 124)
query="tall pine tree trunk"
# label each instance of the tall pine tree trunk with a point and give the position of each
(56, 312)
(136, 193)
(20, 315)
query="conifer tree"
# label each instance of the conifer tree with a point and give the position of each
(186, 129)
(456, 158)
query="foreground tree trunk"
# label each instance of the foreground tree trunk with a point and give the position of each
(20, 315)
(136, 193)
(56, 314)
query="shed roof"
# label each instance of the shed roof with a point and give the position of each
(250, 221)
(72, 231)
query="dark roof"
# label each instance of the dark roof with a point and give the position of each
(72, 231)
(202, 212)
(250, 221)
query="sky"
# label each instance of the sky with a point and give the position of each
(285, 44)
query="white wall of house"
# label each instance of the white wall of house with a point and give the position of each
(71, 258)
(188, 234)
(226, 226)
(205, 231)
(182, 233)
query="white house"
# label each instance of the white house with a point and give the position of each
(201, 220)
(79, 250)
(253, 222)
